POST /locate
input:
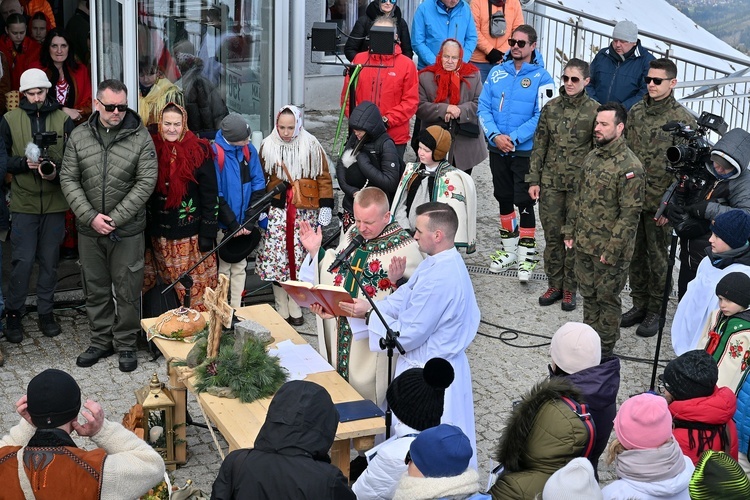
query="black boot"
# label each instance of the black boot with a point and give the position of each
(13, 328)
(48, 325)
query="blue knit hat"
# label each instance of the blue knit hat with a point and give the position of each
(732, 227)
(442, 451)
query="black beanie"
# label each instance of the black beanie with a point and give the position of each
(53, 399)
(691, 375)
(416, 396)
(735, 287)
(438, 140)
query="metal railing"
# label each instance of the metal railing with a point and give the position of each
(718, 84)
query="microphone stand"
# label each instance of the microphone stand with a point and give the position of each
(255, 209)
(388, 343)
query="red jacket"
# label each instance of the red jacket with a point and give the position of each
(19, 62)
(80, 89)
(713, 410)
(394, 89)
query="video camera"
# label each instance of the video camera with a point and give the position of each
(688, 160)
(43, 140)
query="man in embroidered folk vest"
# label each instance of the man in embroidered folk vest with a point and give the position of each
(344, 341)
(54, 467)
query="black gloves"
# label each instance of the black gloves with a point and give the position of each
(205, 244)
(494, 56)
(697, 210)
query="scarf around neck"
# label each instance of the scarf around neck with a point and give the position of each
(449, 82)
(652, 465)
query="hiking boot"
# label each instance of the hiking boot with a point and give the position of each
(634, 316)
(295, 321)
(527, 259)
(551, 296)
(13, 328)
(507, 256)
(91, 355)
(650, 326)
(568, 301)
(48, 325)
(128, 361)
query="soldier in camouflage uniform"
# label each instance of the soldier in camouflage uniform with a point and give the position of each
(563, 137)
(645, 137)
(604, 221)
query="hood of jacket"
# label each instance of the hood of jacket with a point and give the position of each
(130, 122)
(373, 11)
(47, 107)
(734, 147)
(716, 409)
(726, 259)
(636, 51)
(542, 431)
(668, 488)
(536, 58)
(367, 117)
(301, 420)
(599, 384)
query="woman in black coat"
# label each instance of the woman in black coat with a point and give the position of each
(357, 41)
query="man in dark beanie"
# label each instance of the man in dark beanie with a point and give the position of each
(416, 399)
(433, 178)
(729, 252)
(49, 410)
(701, 412)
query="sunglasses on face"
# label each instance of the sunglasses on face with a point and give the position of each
(386, 1)
(657, 81)
(574, 79)
(513, 42)
(111, 107)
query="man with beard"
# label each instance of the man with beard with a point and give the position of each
(604, 223)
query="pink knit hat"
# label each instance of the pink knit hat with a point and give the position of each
(643, 422)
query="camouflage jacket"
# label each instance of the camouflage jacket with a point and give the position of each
(649, 143)
(562, 139)
(609, 203)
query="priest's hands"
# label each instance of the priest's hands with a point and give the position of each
(318, 309)
(310, 238)
(356, 309)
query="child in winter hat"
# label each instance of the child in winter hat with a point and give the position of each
(575, 481)
(717, 475)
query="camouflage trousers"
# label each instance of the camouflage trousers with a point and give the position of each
(600, 286)
(559, 262)
(648, 267)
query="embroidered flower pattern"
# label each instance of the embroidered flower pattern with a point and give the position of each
(743, 366)
(735, 349)
(187, 209)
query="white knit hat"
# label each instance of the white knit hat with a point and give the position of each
(34, 79)
(575, 347)
(575, 481)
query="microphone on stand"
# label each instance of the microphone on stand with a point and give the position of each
(346, 252)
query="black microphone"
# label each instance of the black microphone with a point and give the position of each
(346, 252)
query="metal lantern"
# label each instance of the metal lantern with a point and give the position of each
(158, 417)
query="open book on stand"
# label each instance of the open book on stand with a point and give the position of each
(328, 296)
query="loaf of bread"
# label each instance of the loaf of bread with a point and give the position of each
(179, 323)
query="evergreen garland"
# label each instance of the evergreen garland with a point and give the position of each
(258, 376)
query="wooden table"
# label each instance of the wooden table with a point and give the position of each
(239, 422)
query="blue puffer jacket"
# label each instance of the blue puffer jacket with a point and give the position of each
(432, 24)
(619, 78)
(742, 418)
(510, 102)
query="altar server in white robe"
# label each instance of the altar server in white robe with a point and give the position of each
(435, 312)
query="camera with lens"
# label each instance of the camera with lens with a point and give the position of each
(43, 141)
(687, 159)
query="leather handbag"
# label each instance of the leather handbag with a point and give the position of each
(305, 192)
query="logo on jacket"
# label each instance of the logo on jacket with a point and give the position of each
(526, 83)
(498, 75)
(391, 73)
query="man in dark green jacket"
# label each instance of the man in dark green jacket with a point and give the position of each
(109, 172)
(37, 205)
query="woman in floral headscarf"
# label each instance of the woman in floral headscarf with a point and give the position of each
(182, 211)
(288, 154)
(448, 96)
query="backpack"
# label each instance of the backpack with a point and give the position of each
(582, 410)
(219, 154)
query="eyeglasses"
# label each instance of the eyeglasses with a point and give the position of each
(657, 81)
(386, 1)
(109, 108)
(513, 42)
(408, 458)
(573, 79)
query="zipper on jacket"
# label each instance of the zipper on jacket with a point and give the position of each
(502, 100)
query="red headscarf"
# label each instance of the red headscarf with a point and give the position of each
(449, 82)
(178, 160)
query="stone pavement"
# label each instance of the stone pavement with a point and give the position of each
(509, 354)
